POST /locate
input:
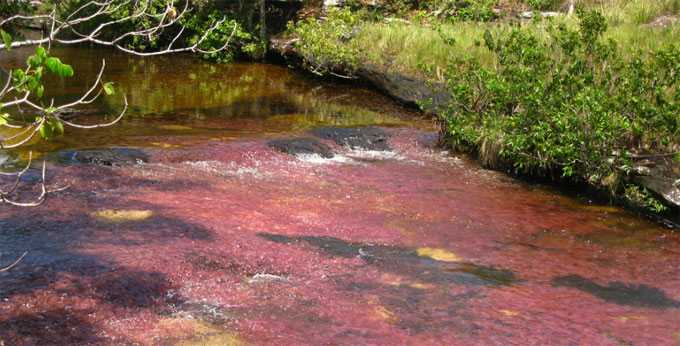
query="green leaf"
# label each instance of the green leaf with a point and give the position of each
(108, 88)
(46, 131)
(18, 74)
(41, 53)
(53, 64)
(34, 61)
(65, 70)
(39, 93)
(7, 38)
(32, 84)
(57, 125)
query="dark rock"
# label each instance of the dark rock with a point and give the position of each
(659, 174)
(297, 146)
(620, 293)
(666, 187)
(403, 88)
(369, 138)
(112, 157)
(69, 114)
(403, 260)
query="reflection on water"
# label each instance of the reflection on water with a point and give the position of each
(201, 97)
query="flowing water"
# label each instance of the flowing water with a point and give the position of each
(208, 236)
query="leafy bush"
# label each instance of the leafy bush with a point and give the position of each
(452, 10)
(544, 5)
(469, 10)
(566, 101)
(9, 8)
(323, 44)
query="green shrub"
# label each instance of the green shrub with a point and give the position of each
(544, 5)
(9, 8)
(324, 44)
(566, 101)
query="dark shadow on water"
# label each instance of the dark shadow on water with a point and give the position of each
(620, 293)
(56, 265)
(405, 261)
(52, 327)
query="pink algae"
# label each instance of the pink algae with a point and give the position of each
(242, 243)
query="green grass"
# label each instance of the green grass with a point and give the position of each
(404, 47)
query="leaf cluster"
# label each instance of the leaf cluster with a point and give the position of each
(323, 43)
(566, 101)
(29, 81)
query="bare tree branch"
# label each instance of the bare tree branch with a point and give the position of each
(14, 264)
(66, 31)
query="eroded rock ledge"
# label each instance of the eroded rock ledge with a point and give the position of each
(402, 88)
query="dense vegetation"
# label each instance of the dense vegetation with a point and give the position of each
(565, 99)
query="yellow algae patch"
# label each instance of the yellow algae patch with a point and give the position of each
(223, 138)
(421, 286)
(439, 254)
(380, 312)
(402, 226)
(221, 339)
(397, 281)
(508, 312)
(228, 186)
(164, 145)
(677, 336)
(194, 332)
(624, 319)
(181, 327)
(175, 127)
(110, 215)
(601, 208)
(383, 314)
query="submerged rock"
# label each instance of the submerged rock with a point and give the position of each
(620, 293)
(112, 157)
(368, 138)
(429, 265)
(304, 146)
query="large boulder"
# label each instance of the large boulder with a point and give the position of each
(111, 157)
(367, 138)
(302, 146)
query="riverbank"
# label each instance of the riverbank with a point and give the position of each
(633, 163)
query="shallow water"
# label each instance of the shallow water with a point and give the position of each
(218, 239)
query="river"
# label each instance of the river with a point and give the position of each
(208, 235)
